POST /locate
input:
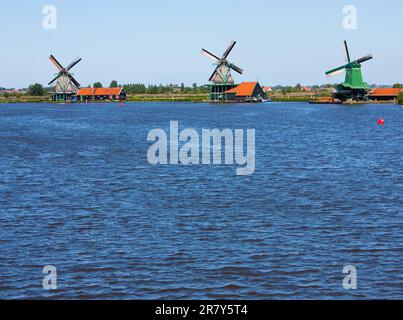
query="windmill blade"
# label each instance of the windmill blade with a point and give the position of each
(75, 62)
(56, 63)
(335, 72)
(74, 80)
(364, 59)
(53, 80)
(346, 52)
(229, 49)
(235, 68)
(210, 55)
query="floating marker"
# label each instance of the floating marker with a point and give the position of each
(381, 121)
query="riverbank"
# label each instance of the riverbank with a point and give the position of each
(130, 98)
(192, 98)
(25, 99)
(169, 97)
(196, 98)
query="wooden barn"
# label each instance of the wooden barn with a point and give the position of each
(91, 94)
(246, 92)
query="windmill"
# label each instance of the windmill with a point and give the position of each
(222, 72)
(222, 78)
(66, 86)
(353, 87)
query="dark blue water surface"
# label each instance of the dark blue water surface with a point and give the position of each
(78, 193)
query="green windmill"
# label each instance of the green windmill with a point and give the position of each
(354, 87)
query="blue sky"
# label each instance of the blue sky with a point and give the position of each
(159, 41)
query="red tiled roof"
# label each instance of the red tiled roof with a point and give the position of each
(99, 92)
(108, 91)
(85, 92)
(381, 92)
(245, 89)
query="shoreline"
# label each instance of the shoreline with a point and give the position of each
(180, 98)
(193, 102)
(196, 102)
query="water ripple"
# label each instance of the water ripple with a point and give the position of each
(77, 193)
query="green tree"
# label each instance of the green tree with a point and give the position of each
(397, 85)
(36, 90)
(136, 88)
(152, 89)
(203, 89)
(114, 84)
(400, 99)
(98, 85)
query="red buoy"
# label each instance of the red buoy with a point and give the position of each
(381, 121)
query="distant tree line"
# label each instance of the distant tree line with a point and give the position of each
(293, 89)
(139, 88)
(136, 88)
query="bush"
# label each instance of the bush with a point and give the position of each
(400, 99)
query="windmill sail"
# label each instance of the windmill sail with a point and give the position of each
(222, 72)
(346, 52)
(229, 49)
(336, 73)
(56, 63)
(366, 58)
(235, 68)
(65, 82)
(75, 62)
(210, 55)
